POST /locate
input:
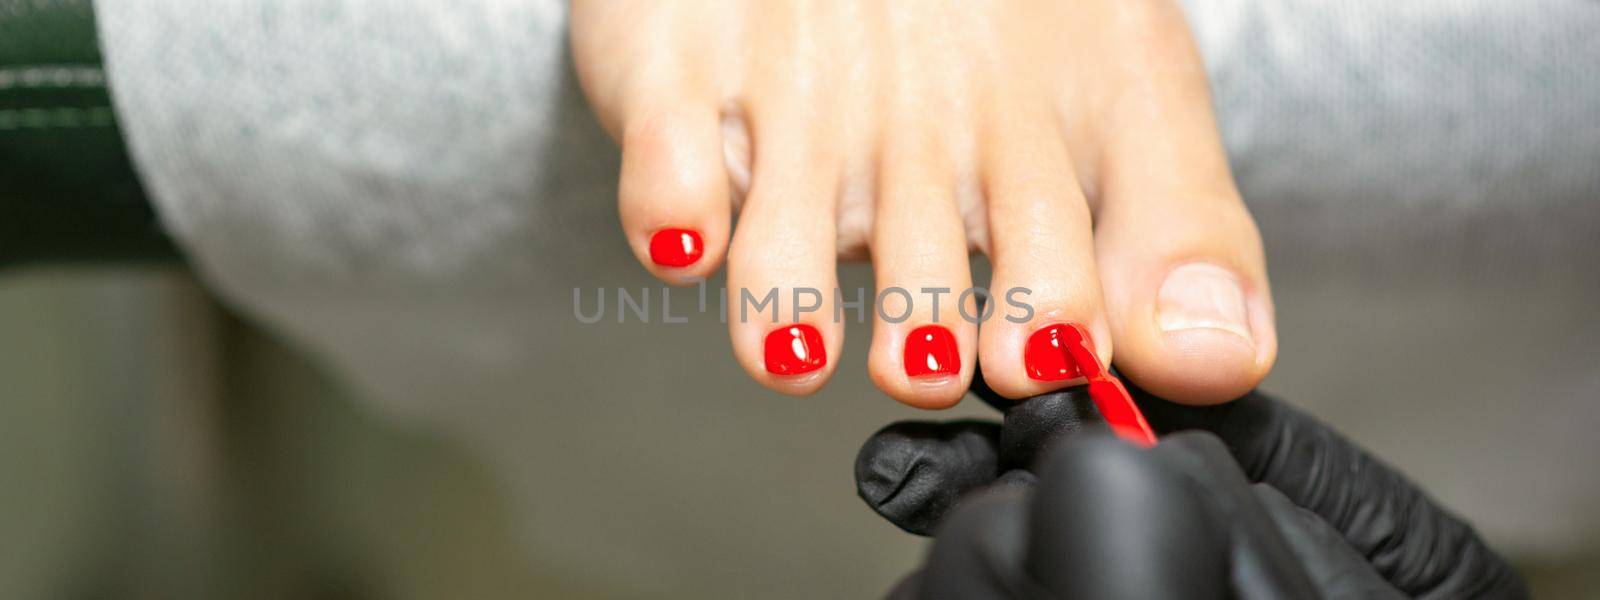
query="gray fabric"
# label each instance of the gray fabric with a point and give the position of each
(1427, 179)
(410, 190)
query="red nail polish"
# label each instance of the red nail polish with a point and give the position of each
(1060, 351)
(676, 247)
(1121, 414)
(1065, 351)
(795, 349)
(931, 350)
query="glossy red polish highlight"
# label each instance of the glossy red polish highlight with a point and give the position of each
(795, 349)
(676, 247)
(931, 351)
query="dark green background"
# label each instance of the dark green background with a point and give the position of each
(68, 192)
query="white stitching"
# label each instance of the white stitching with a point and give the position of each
(60, 76)
(48, 118)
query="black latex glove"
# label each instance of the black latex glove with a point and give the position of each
(1326, 518)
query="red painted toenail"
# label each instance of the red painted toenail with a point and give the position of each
(1060, 351)
(931, 350)
(795, 349)
(676, 247)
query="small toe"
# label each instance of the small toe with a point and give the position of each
(1045, 281)
(782, 278)
(925, 333)
(674, 192)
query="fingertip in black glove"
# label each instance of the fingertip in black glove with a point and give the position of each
(1313, 487)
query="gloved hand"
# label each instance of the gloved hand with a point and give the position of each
(1309, 514)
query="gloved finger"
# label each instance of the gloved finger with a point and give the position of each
(1261, 564)
(979, 550)
(912, 472)
(1334, 567)
(1419, 547)
(1109, 521)
(1031, 425)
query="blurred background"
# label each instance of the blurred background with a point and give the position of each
(183, 421)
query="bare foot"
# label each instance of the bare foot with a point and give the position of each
(1070, 140)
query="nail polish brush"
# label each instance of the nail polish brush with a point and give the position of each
(1108, 394)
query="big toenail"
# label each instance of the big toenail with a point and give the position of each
(676, 247)
(931, 351)
(1203, 296)
(795, 349)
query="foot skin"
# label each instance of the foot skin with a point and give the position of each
(1070, 140)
